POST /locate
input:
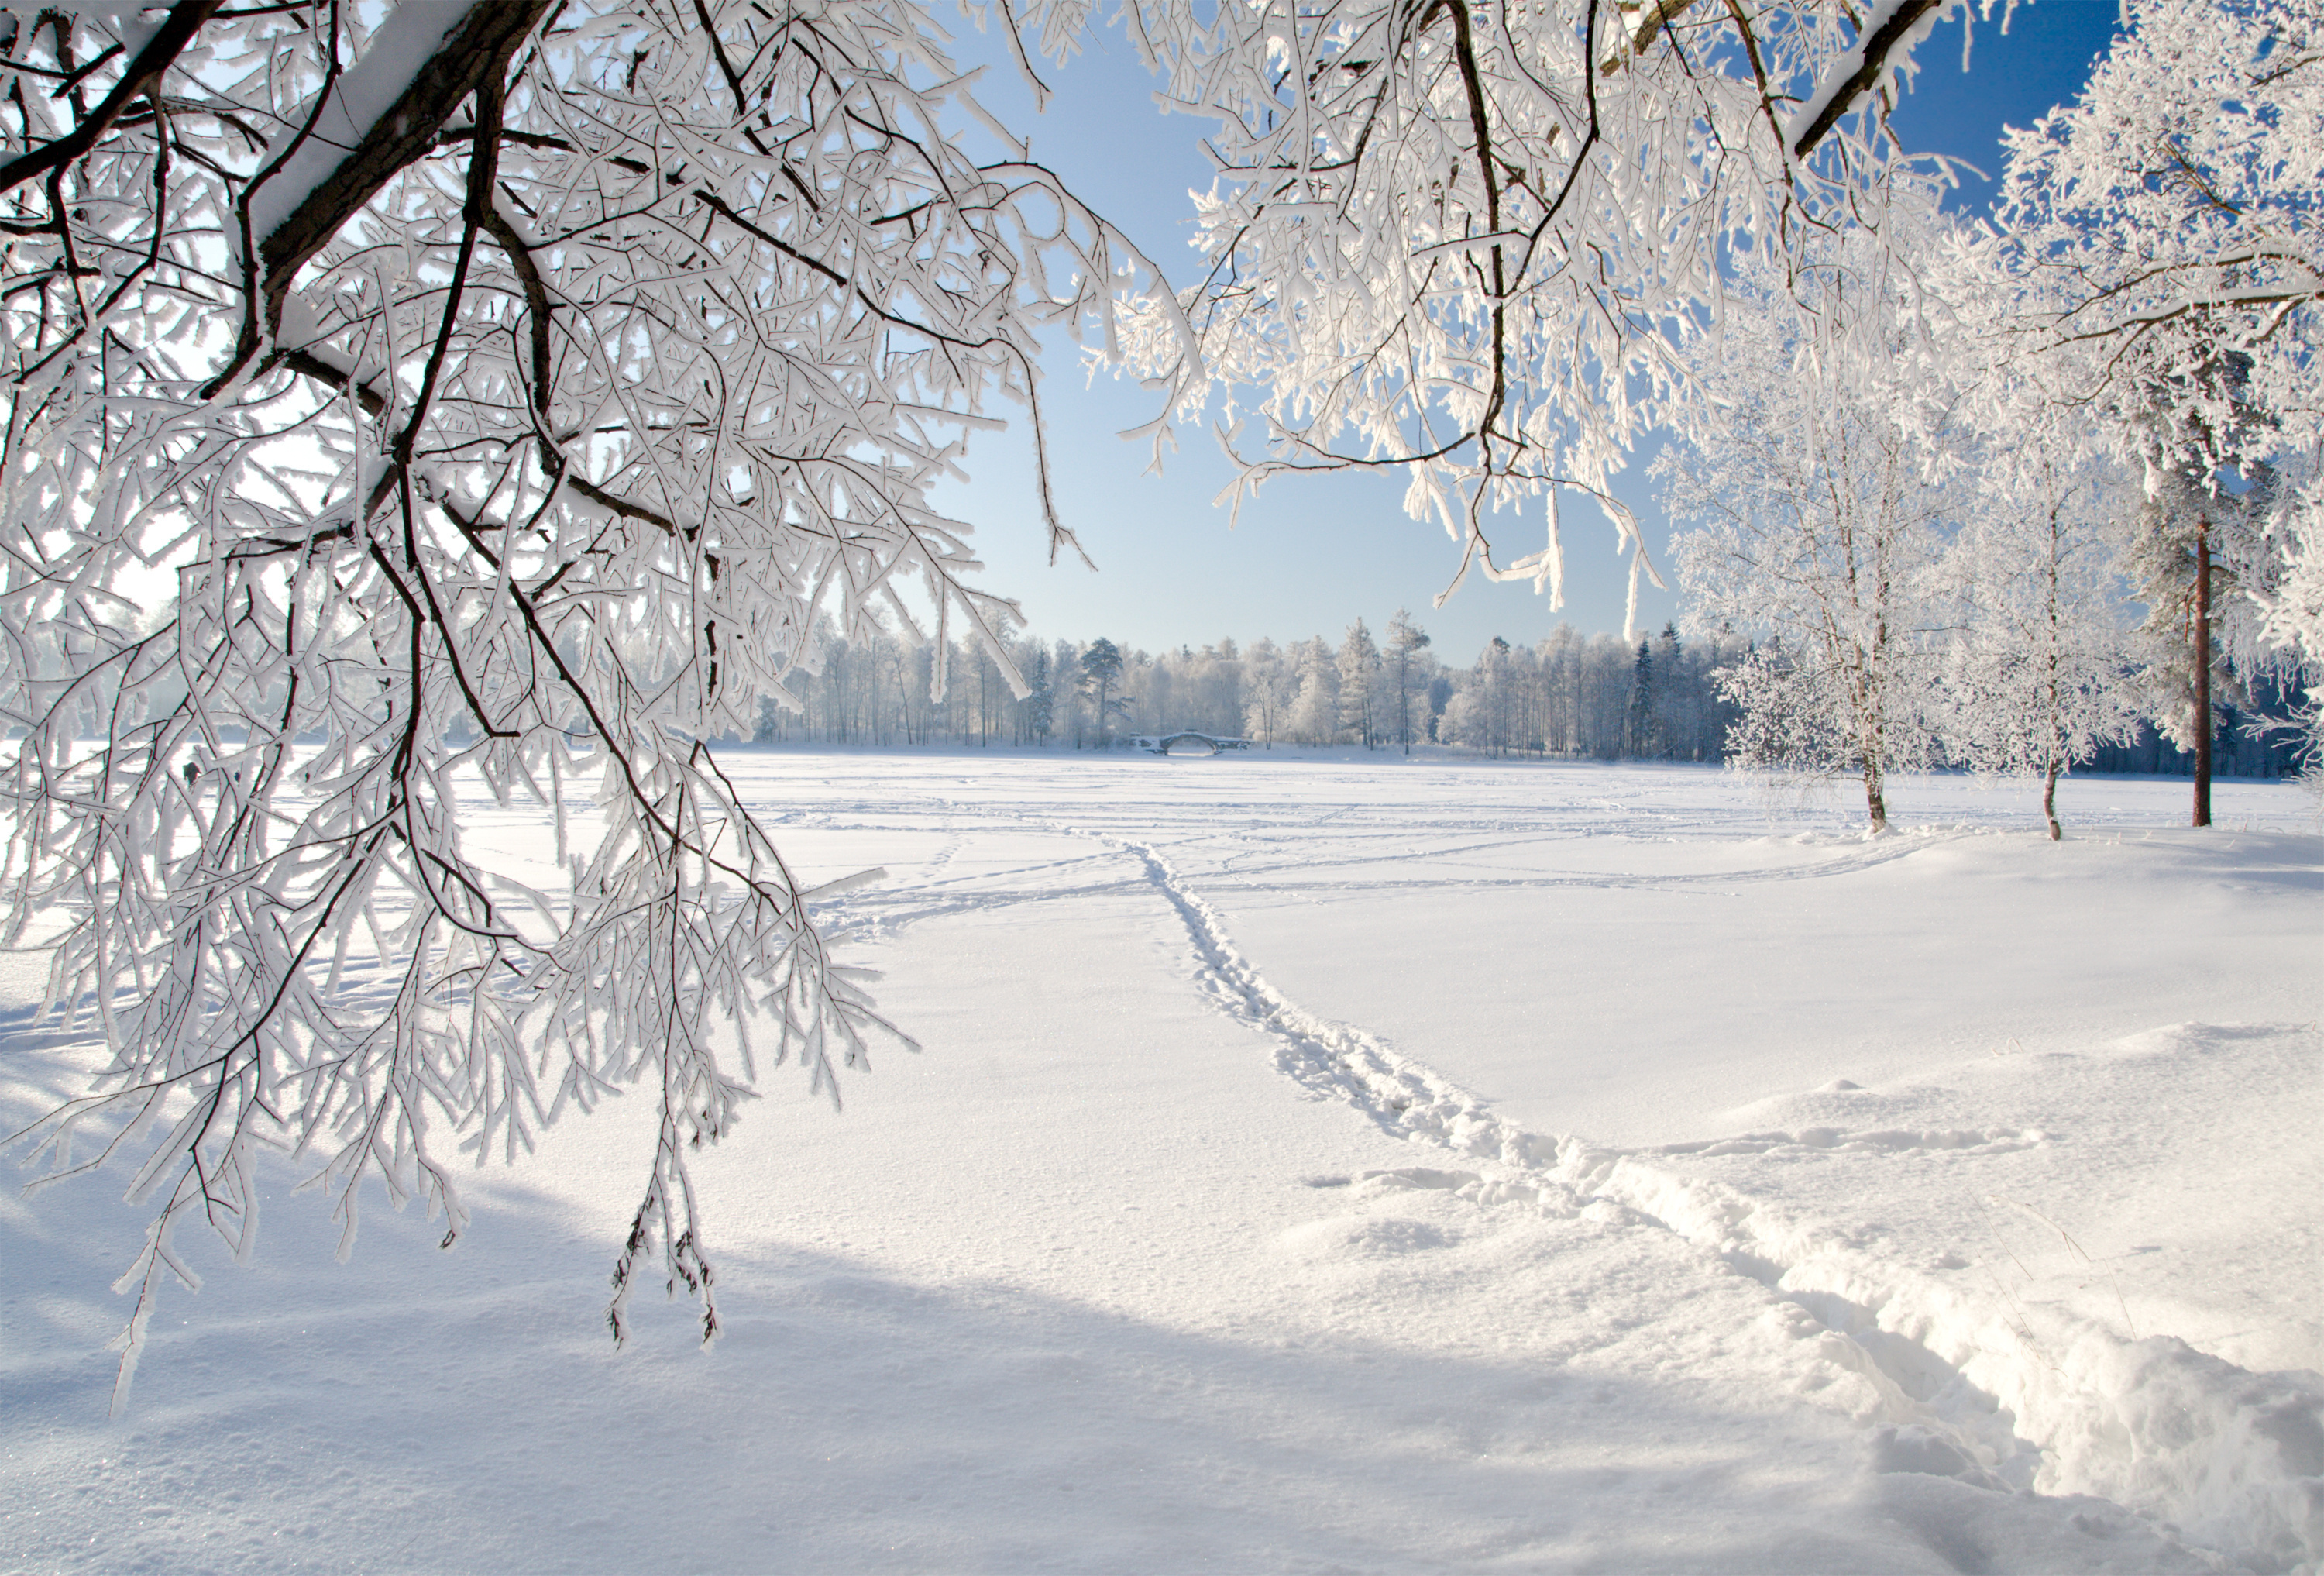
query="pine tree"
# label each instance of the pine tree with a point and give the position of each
(2200, 556)
(1040, 705)
(1101, 671)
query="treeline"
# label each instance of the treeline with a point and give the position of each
(1567, 695)
(2256, 739)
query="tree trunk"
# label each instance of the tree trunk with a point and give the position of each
(1404, 701)
(1875, 797)
(2202, 816)
(2050, 798)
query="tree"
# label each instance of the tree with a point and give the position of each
(1040, 703)
(486, 378)
(2158, 235)
(1315, 705)
(2201, 559)
(1643, 695)
(1269, 681)
(1821, 517)
(1481, 714)
(1359, 667)
(2164, 218)
(1102, 665)
(501, 388)
(1405, 640)
(2040, 675)
(1224, 667)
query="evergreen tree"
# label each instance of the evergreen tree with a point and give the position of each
(1039, 705)
(2199, 553)
(1642, 701)
(1101, 671)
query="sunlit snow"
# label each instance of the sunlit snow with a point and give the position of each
(1328, 1162)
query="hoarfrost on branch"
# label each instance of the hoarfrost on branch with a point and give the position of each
(494, 396)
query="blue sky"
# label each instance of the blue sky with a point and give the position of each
(1312, 554)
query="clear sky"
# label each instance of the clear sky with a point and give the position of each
(1313, 553)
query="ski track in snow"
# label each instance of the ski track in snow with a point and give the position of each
(2227, 1458)
(941, 896)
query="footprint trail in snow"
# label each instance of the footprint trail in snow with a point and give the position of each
(1950, 1385)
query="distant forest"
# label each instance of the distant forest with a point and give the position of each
(1568, 696)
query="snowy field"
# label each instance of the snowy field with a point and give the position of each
(1333, 1163)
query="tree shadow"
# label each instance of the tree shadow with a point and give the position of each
(416, 1410)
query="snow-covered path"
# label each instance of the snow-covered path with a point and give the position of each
(1183, 1248)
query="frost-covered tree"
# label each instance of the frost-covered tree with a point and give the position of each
(2039, 673)
(1482, 714)
(1040, 699)
(1641, 739)
(2166, 218)
(500, 391)
(488, 386)
(1820, 518)
(1405, 642)
(1210, 690)
(1360, 673)
(1270, 681)
(1314, 717)
(2201, 559)
(2161, 235)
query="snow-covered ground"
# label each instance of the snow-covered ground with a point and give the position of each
(1324, 1164)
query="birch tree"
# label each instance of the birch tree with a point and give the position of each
(2039, 673)
(1820, 519)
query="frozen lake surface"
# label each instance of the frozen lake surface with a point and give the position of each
(1331, 1162)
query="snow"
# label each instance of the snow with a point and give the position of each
(1324, 1162)
(404, 41)
(1837, 76)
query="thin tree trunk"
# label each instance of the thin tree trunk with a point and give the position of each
(1404, 702)
(2203, 674)
(1875, 797)
(2059, 746)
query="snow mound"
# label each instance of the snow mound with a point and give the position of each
(1344, 1237)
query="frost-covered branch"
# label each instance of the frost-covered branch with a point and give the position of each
(1460, 240)
(459, 399)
